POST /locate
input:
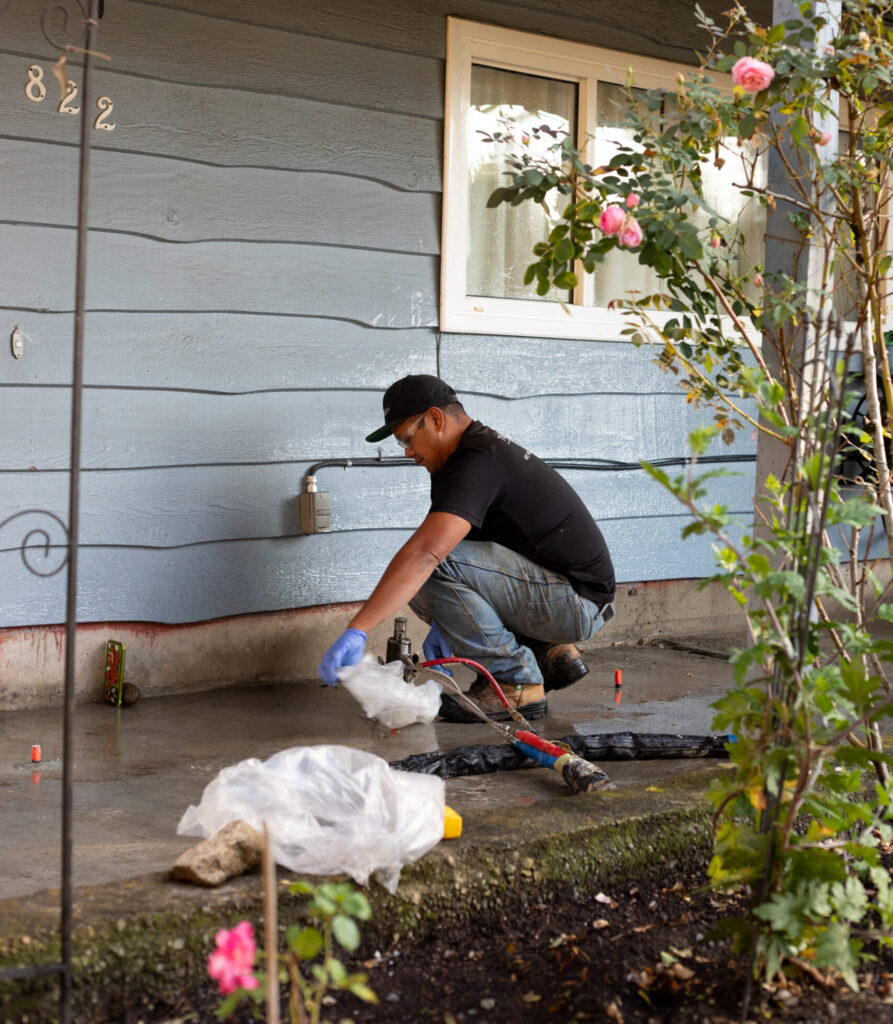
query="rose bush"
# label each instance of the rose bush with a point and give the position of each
(800, 821)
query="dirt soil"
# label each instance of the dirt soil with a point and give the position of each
(645, 954)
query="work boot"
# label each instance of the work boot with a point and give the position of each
(529, 700)
(479, 687)
(560, 664)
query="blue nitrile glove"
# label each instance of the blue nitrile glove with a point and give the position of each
(434, 646)
(346, 650)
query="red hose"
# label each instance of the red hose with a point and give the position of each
(477, 668)
(530, 738)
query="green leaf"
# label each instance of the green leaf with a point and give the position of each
(564, 251)
(345, 930)
(849, 899)
(566, 281)
(747, 126)
(759, 564)
(336, 969)
(501, 195)
(227, 1006)
(776, 34)
(362, 991)
(836, 950)
(690, 246)
(357, 906)
(307, 943)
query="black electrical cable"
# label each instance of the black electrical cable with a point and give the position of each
(608, 465)
(603, 465)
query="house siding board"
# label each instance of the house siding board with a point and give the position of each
(263, 262)
(229, 127)
(553, 366)
(131, 273)
(653, 28)
(151, 41)
(199, 582)
(173, 507)
(221, 353)
(137, 428)
(174, 201)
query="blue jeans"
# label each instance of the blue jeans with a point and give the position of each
(483, 596)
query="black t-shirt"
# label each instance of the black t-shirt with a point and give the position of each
(513, 498)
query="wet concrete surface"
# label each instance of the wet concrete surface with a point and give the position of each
(137, 769)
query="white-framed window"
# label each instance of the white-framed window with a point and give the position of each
(495, 73)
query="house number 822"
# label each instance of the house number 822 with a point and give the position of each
(36, 91)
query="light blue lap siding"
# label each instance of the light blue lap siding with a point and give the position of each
(208, 581)
(263, 262)
(175, 506)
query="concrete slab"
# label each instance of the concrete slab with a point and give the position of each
(137, 769)
(138, 937)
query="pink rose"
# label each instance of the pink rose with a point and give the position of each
(758, 280)
(632, 201)
(715, 241)
(752, 74)
(631, 234)
(824, 138)
(611, 220)
(232, 962)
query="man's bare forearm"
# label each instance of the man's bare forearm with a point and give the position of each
(411, 567)
(406, 574)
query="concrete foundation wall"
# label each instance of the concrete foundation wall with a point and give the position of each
(281, 646)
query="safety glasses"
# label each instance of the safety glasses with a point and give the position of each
(406, 439)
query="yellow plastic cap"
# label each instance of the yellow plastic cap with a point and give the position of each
(452, 824)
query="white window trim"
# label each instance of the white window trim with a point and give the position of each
(469, 42)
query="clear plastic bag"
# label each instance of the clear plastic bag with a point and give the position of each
(329, 809)
(385, 695)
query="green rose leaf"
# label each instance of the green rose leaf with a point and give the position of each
(345, 930)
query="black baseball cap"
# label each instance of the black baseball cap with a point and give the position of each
(411, 396)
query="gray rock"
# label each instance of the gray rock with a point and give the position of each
(234, 850)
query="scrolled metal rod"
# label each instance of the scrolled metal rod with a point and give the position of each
(44, 22)
(90, 16)
(26, 545)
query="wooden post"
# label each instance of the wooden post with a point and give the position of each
(271, 929)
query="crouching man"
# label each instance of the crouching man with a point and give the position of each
(508, 567)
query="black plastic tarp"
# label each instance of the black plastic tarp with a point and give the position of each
(612, 746)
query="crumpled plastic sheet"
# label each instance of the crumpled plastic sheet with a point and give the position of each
(386, 696)
(615, 746)
(329, 809)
